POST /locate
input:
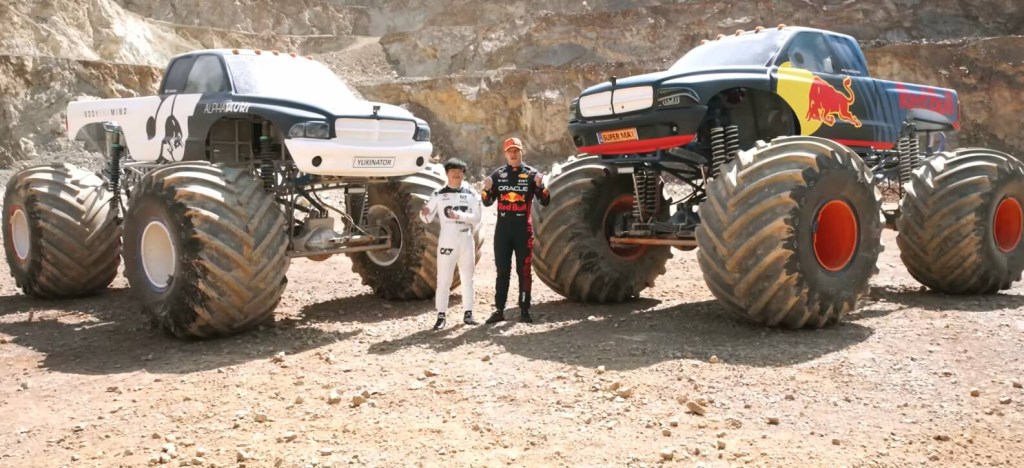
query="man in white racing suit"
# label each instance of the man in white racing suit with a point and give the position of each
(458, 209)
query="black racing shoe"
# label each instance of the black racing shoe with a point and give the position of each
(440, 322)
(525, 317)
(498, 316)
(468, 319)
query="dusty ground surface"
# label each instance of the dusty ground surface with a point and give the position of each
(87, 383)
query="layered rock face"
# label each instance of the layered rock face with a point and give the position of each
(481, 71)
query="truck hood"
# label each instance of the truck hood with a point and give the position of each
(365, 109)
(337, 107)
(692, 76)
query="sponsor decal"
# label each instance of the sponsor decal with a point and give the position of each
(226, 107)
(375, 163)
(503, 175)
(926, 99)
(827, 103)
(524, 175)
(446, 250)
(815, 101)
(513, 188)
(110, 112)
(512, 197)
(513, 207)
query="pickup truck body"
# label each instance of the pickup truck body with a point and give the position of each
(770, 82)
(204, 94)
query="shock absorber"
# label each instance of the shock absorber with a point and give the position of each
(718, 153)
(645, 185)
(640, 189)
(910, 157)
(116, 151)
(266, 157)
(732, 142)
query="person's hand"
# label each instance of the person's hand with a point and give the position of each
(488, 183)
(425, 211)
(450, 213)
(539, 179)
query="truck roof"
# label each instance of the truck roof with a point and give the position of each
(248, 52)
(793, 29)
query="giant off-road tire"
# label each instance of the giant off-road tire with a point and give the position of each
(572, 254)
(408, 270)
(790, 233)
(61, 237)
(205, 249)
(961, 222)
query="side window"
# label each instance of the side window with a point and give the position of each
(207, 76)
(809, 51)
(851, 61)
(174, 80)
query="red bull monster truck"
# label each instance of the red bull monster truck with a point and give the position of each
(779, 137)
(215, 184)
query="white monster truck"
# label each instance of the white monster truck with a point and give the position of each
(221, 176)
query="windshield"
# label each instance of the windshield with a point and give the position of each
(745, 49)
(291, 78)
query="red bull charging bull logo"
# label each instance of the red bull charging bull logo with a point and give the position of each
(827, 103)
(512, 197)
(815, 101)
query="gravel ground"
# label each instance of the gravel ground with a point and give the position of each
(913, 378)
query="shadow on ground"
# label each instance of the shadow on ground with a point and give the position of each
(635, 335)
(365, 308)
(939, 302)
(107, 334)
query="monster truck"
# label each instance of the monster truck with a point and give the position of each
(770, 145)
(221, 180)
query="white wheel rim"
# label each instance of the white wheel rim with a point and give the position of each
(158, 256)
(21, 236)
(384, 217)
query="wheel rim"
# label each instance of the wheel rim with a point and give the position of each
(621, 205)
(159, 258)
(21, 235)
(835, 235)
(382, 216)
(1008, 225)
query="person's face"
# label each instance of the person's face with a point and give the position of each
(514, 156)
(455, 177)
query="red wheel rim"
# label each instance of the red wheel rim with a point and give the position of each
(835, 235)
(1008, 225)
(622, 204)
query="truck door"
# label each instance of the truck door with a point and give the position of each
(829, 90)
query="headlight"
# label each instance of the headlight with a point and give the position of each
(422, 132)
(310, 130)
(677, 97)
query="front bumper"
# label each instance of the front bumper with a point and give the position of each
(656, 129)
(358, 159)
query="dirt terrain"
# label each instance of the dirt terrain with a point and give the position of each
(913, 378)
(343, 378)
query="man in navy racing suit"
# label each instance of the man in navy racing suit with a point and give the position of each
(514, 186)
(458, 209)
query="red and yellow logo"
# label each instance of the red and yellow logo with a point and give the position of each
(815, 100)
(513, 197)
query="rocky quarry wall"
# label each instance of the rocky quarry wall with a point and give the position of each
(480, 71)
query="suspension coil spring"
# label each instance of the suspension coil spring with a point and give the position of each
(115, 151)
(909, 157)
(732, 142)
(365, 214)
(266, 163)
(718, 153)
(114, 175)
(645, 184)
